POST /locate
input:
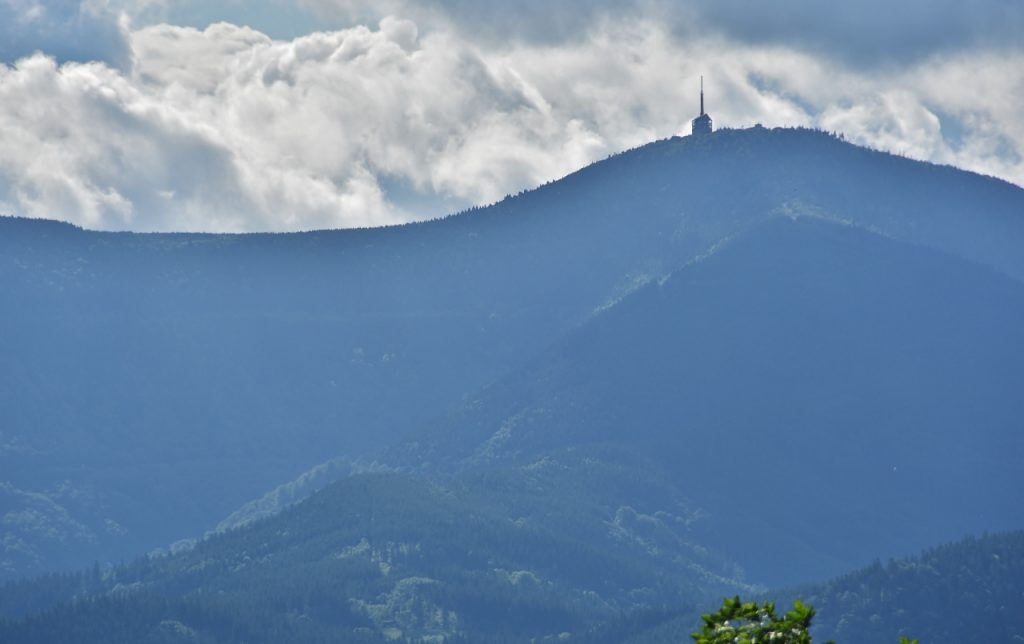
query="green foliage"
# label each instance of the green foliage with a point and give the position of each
(739, 622)
(749, 622)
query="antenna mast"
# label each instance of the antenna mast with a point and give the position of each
(701, 124)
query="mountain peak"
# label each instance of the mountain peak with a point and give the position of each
(350, 339)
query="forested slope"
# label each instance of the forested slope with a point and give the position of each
(967, 591)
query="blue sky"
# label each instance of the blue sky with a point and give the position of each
(299, 114)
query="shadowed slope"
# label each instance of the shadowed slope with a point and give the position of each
(827, 395)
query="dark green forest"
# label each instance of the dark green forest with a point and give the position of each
(369, 554)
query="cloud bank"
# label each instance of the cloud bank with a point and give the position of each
(868, 31)
(227, 129)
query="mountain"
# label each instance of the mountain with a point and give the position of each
(583, 496)
(153, 384)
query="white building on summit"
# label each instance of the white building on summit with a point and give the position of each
(701, 124)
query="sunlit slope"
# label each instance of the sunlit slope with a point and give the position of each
(379, 557)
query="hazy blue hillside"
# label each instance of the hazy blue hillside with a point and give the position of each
(151, 384)
(827, 395)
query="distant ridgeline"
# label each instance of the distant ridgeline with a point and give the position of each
(711, 364)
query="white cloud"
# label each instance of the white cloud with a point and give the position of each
(227, 129)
